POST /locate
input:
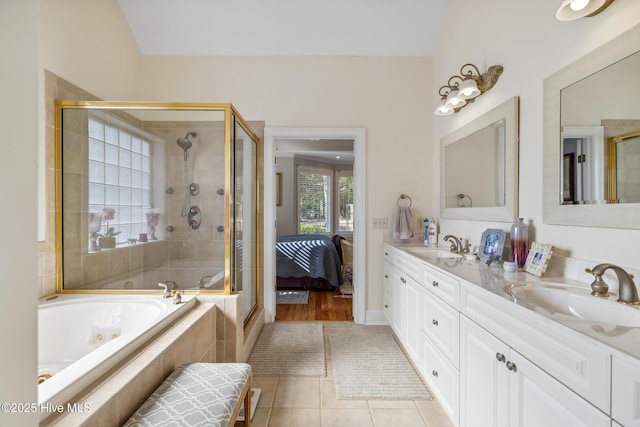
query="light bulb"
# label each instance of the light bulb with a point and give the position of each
(578, 4)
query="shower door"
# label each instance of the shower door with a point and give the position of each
(245, 225)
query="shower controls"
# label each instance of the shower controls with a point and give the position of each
(220, 191)
(194, 218)
(194, 189)
(220, 228)
(169, 228)
(169, 190)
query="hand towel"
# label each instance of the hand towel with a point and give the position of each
(403, 223)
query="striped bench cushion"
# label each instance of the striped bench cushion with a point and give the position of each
(196, 394)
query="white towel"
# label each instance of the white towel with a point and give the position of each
(403, 223)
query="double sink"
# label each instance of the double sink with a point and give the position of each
(553, 299)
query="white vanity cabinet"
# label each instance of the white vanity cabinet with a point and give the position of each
(625, 392)
(440, 338)
(403, 298)
(499, 387)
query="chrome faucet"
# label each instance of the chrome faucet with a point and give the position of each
(204, 280)
(457, 245)
(168, 286)
(627, 292)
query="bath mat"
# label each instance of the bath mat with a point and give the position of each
(289, 349)
(373, 367)
(292, 297)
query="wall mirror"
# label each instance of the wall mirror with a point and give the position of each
(591, 143)
(479, 167)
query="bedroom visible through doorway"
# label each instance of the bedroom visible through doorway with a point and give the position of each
(315, 213)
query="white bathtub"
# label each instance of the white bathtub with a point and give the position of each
(81, 337)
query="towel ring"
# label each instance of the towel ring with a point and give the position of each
(460, 201)
(404, 196)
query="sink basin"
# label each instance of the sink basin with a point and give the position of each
(551, 299)
(432, 253)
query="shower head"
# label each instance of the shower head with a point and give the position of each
(185, 144)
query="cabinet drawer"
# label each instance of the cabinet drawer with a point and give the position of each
(445, 287)
(442, 377)
(388, 253)
(441, 323)
(625, 393)
(409, 265)
(387, 272)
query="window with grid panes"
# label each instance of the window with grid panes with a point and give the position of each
(119, 174)
(314, 200)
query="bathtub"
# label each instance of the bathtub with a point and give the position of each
(82, 337)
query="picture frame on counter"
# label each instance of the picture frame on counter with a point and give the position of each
(491, 244)
(538, 258)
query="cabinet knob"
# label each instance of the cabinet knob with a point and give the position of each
(500, 357)
(435, 322)
(386, 253)
(435, 284)
(402, 279)
(511, 366)
(434, 373)
(386, 306)
(386, 276)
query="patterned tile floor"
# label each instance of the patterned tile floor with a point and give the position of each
(312, 402)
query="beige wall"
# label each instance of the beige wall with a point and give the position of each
(531, 44)
(18, 250)
(389, 96)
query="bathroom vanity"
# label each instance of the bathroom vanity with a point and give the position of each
(494, 359)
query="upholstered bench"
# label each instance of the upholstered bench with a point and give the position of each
(198, 394)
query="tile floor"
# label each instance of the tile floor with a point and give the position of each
(312, 402)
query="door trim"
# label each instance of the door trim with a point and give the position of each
(359, 224)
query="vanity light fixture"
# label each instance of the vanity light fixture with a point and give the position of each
(463, 89)
(576, 9)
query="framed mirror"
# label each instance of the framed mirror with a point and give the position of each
(589, 111)
(479, 167)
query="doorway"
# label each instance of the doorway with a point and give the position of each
(357, 135)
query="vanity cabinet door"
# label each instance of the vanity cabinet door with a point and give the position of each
(625, 393)
(499, 387)
(411, 339)
(484, 379)
(387, 283)
(398, 296)
(538, 399)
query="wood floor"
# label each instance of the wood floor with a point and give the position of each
(323, 305)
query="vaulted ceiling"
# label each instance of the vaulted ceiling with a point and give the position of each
(285, 27)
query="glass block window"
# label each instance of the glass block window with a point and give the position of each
(119, 175)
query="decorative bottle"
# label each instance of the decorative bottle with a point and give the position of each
(520, 242)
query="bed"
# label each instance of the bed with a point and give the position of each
(307, 261)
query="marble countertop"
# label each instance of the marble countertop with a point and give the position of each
(622, 340)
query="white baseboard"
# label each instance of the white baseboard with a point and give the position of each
(375, 318)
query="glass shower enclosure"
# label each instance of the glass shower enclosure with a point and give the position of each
(157, 194)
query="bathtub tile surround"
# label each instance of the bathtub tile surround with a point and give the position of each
(116, 397)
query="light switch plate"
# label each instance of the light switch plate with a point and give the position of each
(381, 223)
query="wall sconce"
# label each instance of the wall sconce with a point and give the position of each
(576, 9)
(465, 88)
